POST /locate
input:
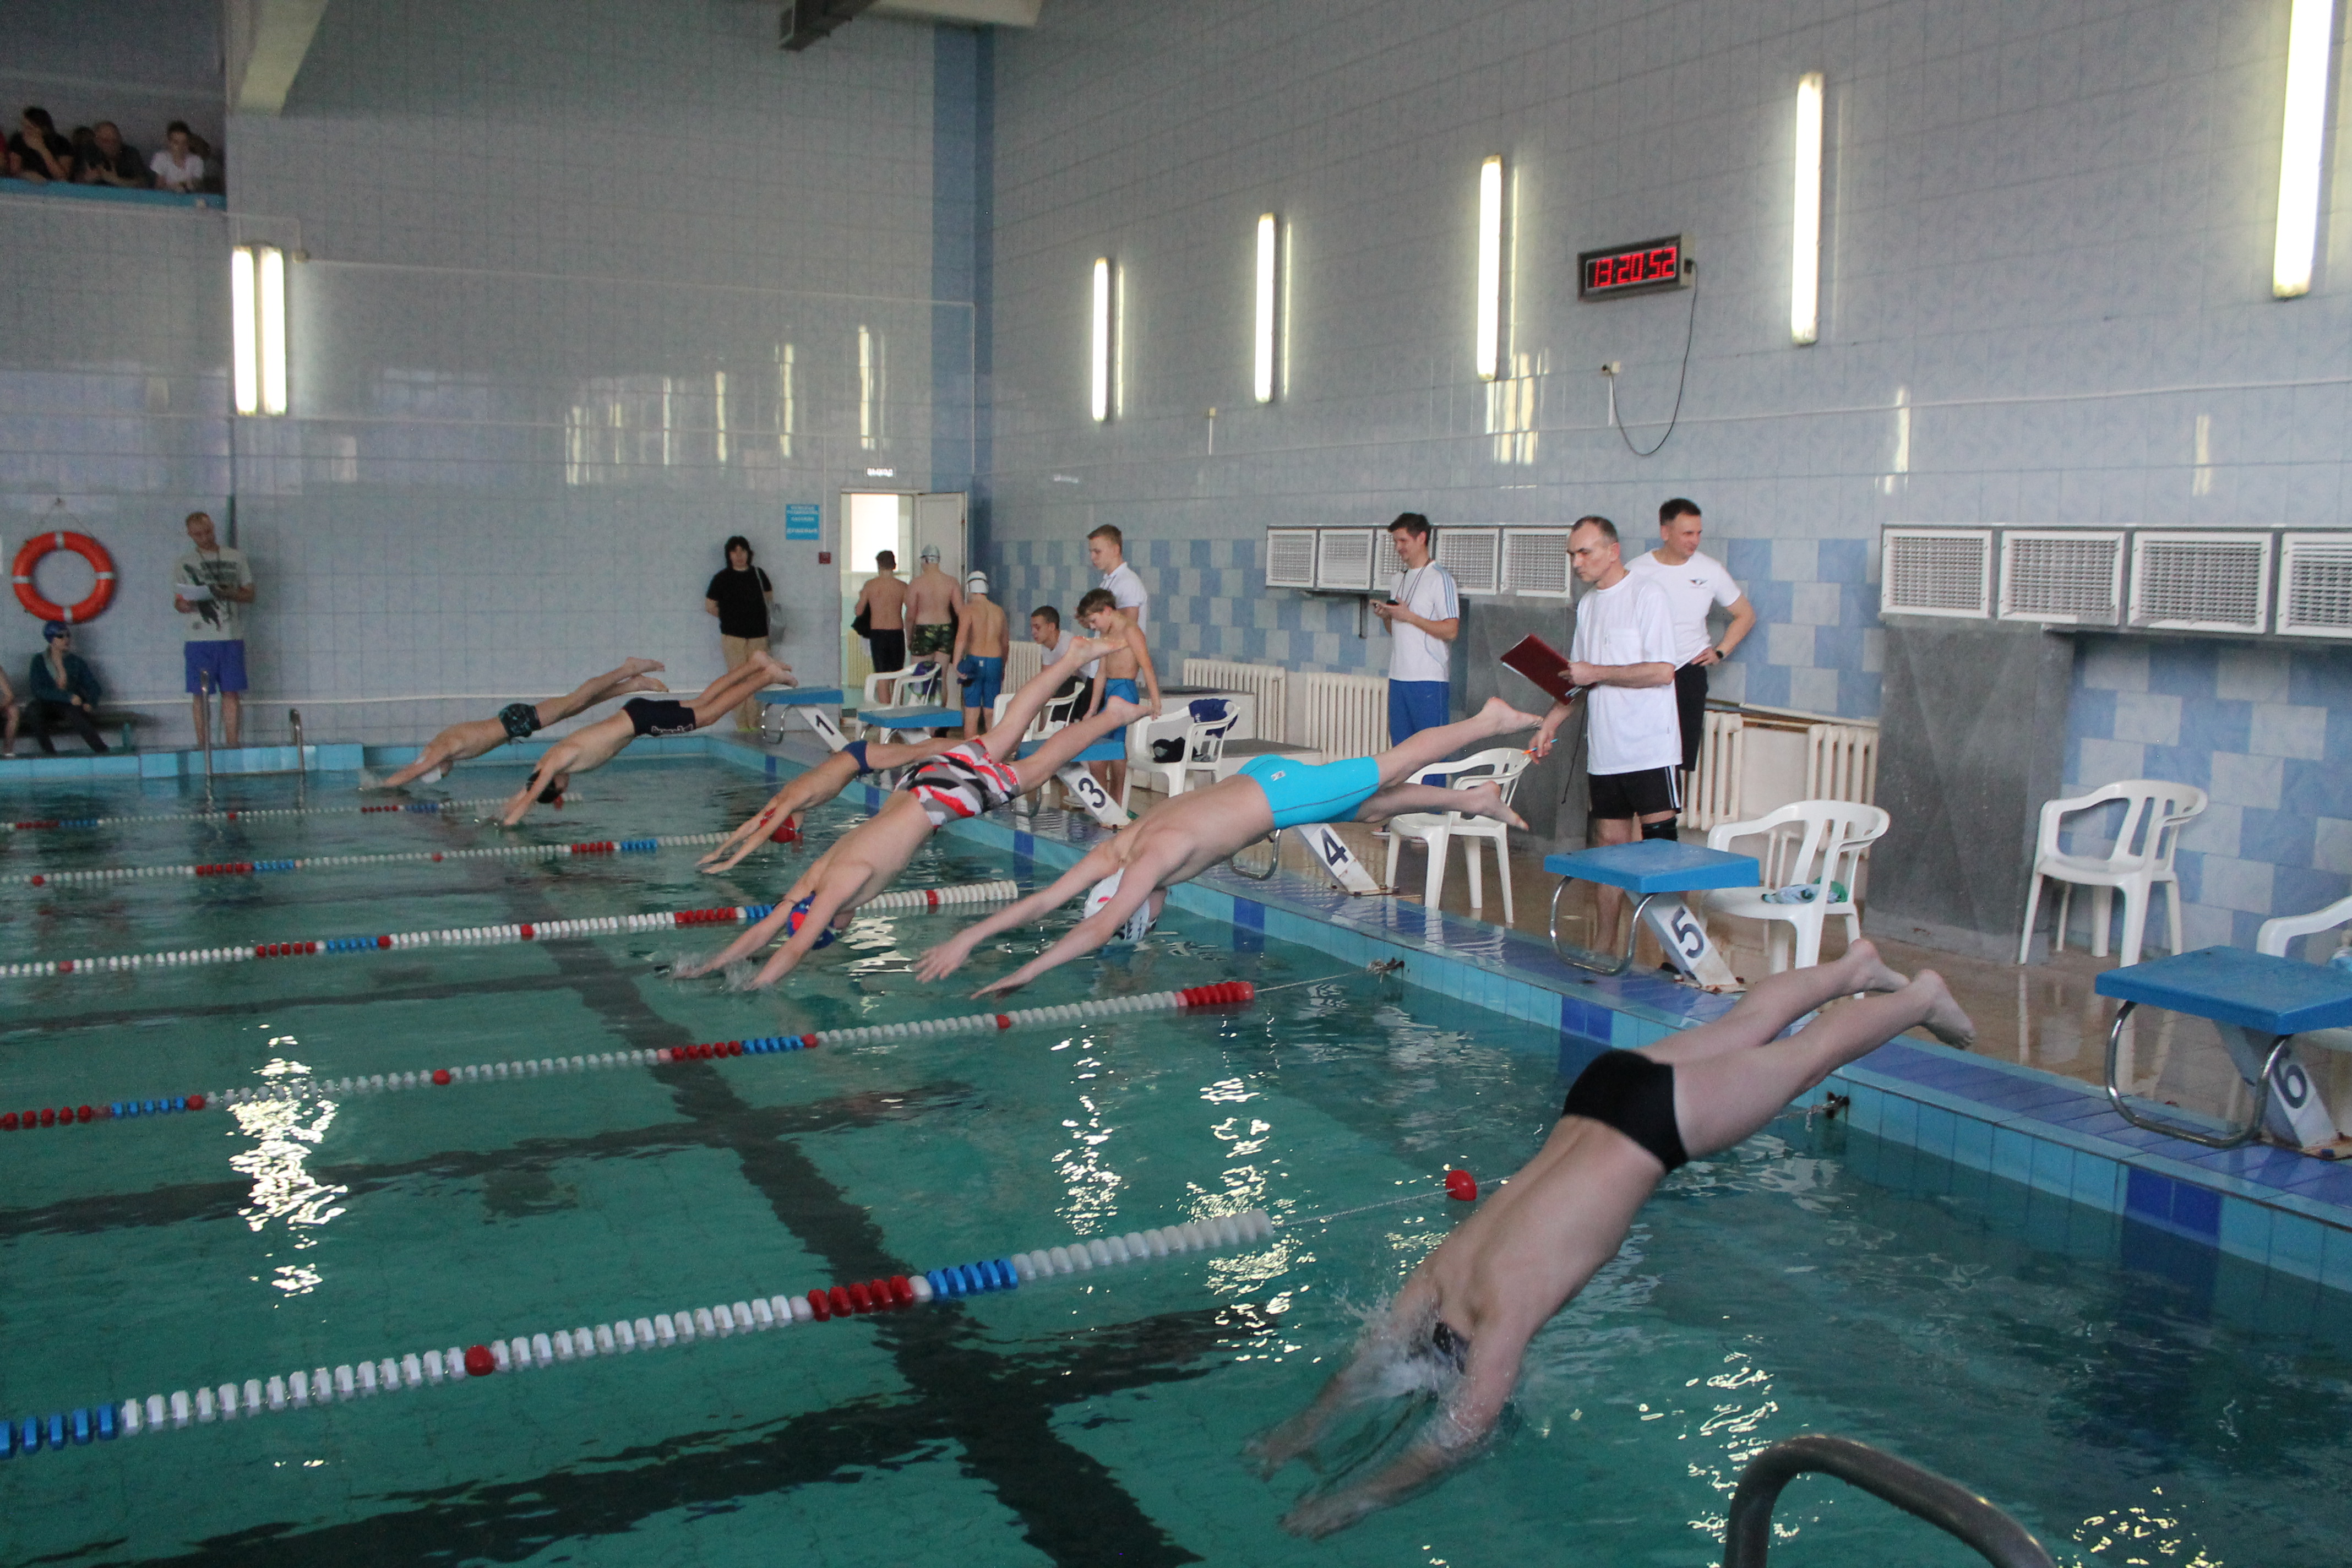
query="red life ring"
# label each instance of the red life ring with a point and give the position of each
(81, 544)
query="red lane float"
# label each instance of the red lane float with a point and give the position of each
(414, 857)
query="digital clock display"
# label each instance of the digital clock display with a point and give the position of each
(1641, 269)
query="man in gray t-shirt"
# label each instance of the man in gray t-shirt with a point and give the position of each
(211, 585)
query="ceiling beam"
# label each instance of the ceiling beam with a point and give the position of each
(971, 13)
(268, 40)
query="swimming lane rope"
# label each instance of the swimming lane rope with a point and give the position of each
(1224, 993)
(493, 935)
(663, 1331)
(322, 862)
(427, 808)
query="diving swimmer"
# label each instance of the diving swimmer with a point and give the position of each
(967, 779)
(1460, 1324)
(598, 743)
(521, 721)
(814, 788)
(1203, 828)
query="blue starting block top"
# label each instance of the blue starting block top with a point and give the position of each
(1101, 752)
(2232, 986)
(1658, 866)
(911, 717)
(802, 696)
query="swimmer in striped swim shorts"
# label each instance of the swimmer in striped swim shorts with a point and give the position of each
(1202, 829)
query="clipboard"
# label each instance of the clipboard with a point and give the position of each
(1542, 664)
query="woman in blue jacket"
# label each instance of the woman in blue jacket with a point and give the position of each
(65, 690)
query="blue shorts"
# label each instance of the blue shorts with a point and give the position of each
(983, 691)
(1119, 688)
(1314, 792)
(223, 659)
(1416, 706)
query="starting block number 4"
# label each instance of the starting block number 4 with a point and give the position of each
(1332, 853)
(1684, 941)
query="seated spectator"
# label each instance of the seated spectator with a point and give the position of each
(37, 152)
(110, 161)
(178, 167)
(65, 690)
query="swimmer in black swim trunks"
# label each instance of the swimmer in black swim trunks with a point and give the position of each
(598, 743)
(969, 777)
(1458, 1329)
(520, 720)
(814, 788)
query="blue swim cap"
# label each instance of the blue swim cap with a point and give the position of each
(800, 914)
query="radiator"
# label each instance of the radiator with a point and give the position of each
(1270, 684)
(1346, 715)
(1024, 662)
(1715, 793)
(1842, 763)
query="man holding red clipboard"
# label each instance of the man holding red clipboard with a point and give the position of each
(1622, 661)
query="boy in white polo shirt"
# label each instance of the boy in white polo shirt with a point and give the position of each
(1623, 659)
(1695, 584)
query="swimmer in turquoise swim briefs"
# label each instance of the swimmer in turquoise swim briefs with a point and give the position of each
(1204, 828)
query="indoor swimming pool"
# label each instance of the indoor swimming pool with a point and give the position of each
(1810, 1279)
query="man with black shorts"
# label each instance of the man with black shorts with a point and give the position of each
(1696, 584)
(1622, 659)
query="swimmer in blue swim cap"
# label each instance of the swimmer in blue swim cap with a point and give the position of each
(1453, 1338)
(1204, 827)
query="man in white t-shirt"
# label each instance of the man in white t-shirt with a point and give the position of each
(1622, 659)
(1106, 547)
(1423, 615)
(1695, 585)
(211, 586)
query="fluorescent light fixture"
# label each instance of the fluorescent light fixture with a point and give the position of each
(272, 268)
(1262, 373)
(257, 316)
(1100, 403)
(1805, 242)
(1490, 267)
(245, 370)
(2309, 43)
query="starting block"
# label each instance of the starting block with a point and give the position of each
(1653, 871)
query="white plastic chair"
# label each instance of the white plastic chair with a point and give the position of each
(1816, 841)
(1434, 830)
(2275, 935)
(901, 687)
(2154, 813)
(1201, 724)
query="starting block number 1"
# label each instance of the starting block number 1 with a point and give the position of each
(827, 731)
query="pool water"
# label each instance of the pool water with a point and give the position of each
(1090, 1420)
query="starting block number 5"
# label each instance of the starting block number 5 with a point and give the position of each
(1686, 942)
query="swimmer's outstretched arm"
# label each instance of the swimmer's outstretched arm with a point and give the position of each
(761, 932)
(814, 787)
(436, 751)
(949, 956)
(1143, 876)
(559, 759)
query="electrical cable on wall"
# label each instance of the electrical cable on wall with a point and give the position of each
(1681, 381)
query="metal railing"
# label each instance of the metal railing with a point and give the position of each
(1948, 1505)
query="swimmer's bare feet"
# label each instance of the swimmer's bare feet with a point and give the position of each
(632, 666)
(1945, 1020)
(1868, 970)
(1486, 800)
(1502, 718)
(640, 683)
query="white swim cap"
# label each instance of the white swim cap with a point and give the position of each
(1139, 924)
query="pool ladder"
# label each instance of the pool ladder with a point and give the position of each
(1948, 1505)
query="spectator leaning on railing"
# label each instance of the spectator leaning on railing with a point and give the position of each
(178, 167)
(110, 161)
(36, 151)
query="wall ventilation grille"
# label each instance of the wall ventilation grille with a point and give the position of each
(1386, 562)
(1936, 571)
(2070, 576)
(1535, 561)
(1474, 556)
(1290, 558)
(2315, 586)
(2201, 581)
(1343, 558)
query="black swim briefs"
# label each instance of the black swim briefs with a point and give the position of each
(520, 720)
(658, 716)
(1630, 1092)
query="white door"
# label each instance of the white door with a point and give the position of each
(940, 520)
(870, 521)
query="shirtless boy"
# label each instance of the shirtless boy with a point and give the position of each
(781, 818)
(933, 603)
(1129, 655)
(1204, 827)
(1462, 1324)
(983, 637)
(521, 721)
(882, 602)
(969, 778)
(598, 743)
